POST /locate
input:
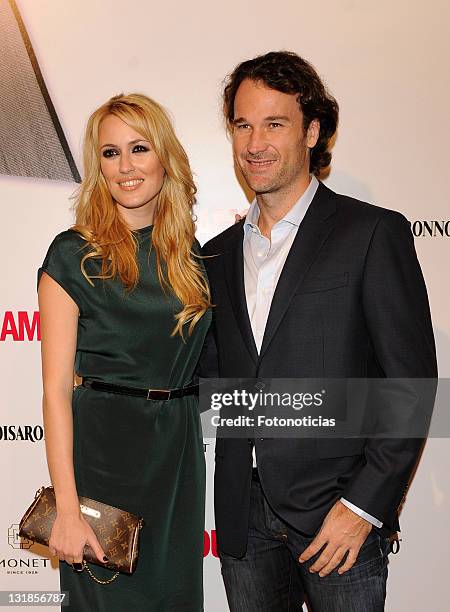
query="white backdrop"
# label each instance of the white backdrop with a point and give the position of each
(385, 64)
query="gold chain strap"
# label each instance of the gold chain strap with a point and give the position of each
(97, 580)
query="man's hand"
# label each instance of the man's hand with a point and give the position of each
(342, 531)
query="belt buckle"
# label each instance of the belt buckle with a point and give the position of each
(158, 394)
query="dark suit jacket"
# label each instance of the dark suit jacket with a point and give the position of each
(350, 302)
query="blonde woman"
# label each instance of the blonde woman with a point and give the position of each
(125, 304)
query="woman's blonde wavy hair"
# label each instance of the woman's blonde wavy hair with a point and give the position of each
(109, 237)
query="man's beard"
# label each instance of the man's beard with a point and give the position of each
(269, 184)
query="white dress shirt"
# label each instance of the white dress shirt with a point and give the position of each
(264, 259)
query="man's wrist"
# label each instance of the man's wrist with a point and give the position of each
(362, 513)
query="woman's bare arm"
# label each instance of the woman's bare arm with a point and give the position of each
(59, 322)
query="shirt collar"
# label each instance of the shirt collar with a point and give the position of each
(294, 216)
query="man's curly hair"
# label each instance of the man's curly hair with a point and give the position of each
(285, 71)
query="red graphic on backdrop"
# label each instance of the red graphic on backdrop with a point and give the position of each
(210, 544)
(20, 326)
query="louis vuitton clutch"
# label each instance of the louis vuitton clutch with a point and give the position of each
(117, 531)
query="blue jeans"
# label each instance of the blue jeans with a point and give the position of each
(269, 577)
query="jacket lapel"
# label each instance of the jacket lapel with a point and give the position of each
(234, 273)
(312, 233)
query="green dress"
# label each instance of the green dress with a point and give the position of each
(143, 456)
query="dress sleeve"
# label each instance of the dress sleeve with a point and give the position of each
(63, 264)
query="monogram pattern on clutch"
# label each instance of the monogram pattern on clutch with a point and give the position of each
(116, 530)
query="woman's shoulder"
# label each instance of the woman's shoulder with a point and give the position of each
(63, 263)
(68, 243)
(70, 237)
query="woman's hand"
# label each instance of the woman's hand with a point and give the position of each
(70, 534)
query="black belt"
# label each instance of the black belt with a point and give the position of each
(150, 394)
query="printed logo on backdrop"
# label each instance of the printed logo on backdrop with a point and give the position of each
(20, 326)
(430, 228)
(22, 563)
(23, 433)
(15, 541)
(210, 544)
